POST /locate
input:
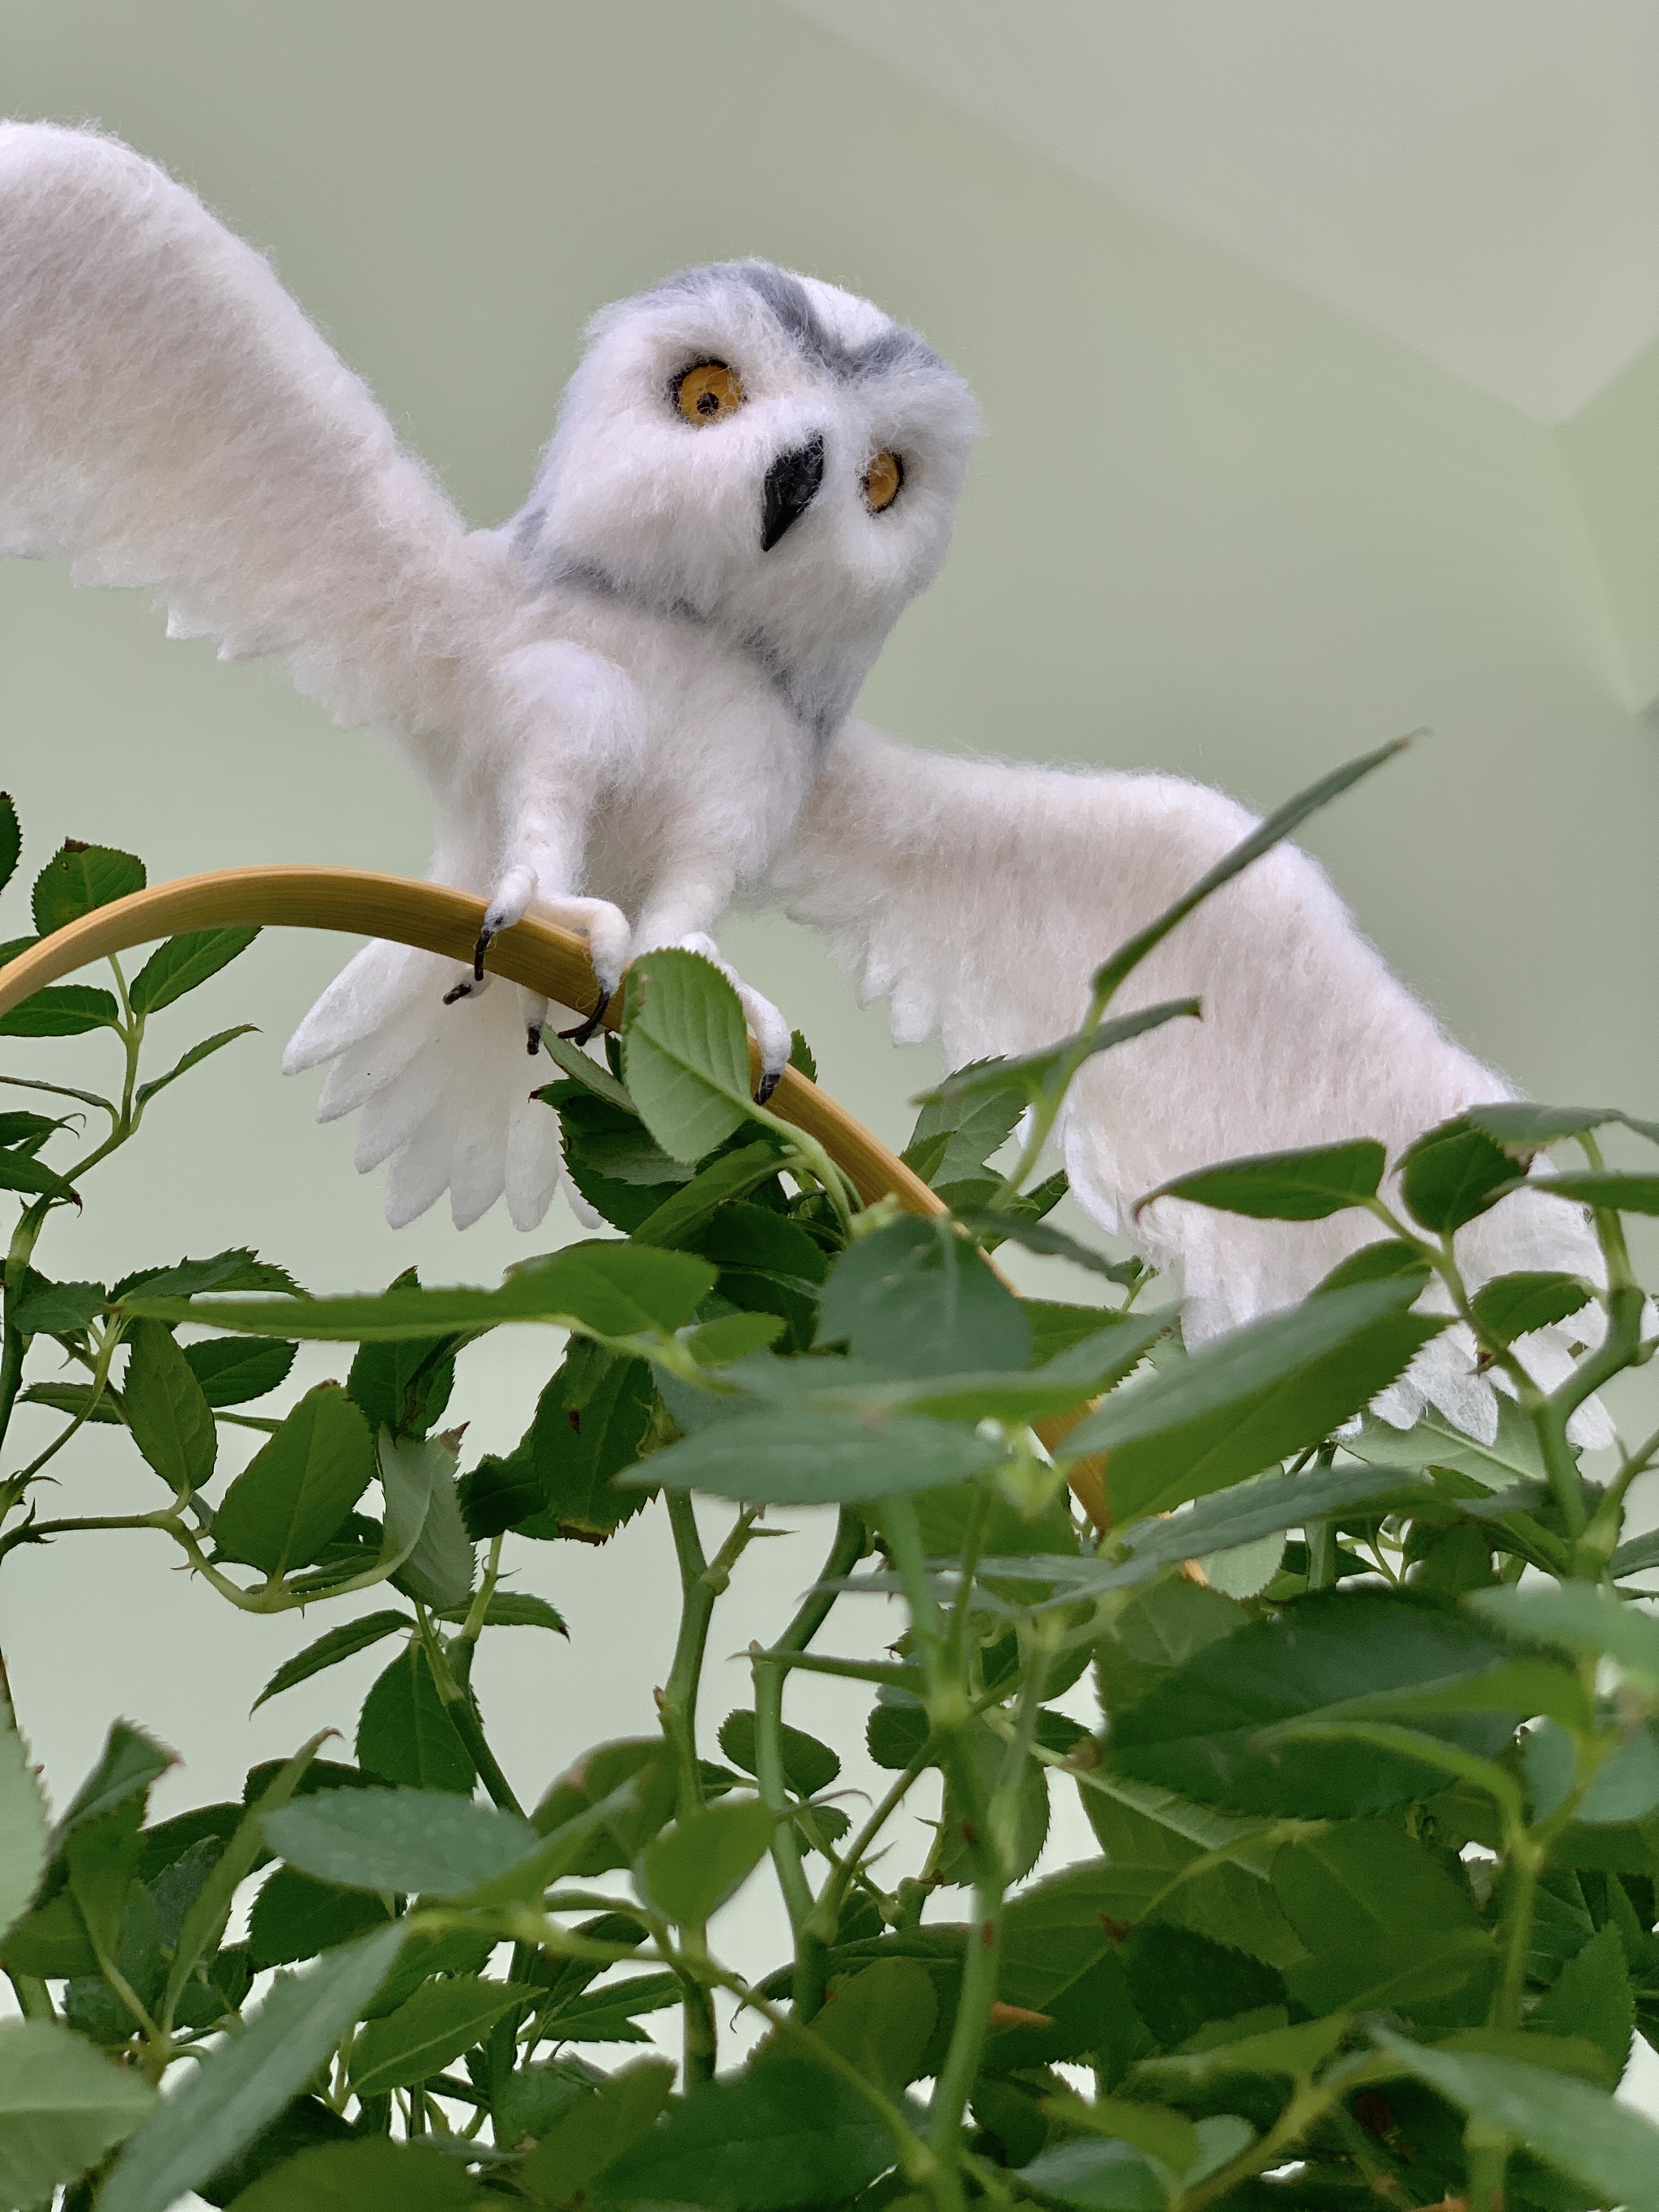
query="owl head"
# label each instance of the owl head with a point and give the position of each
(762, 454)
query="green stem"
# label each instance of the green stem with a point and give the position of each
(33, 1998)
(458, 1703)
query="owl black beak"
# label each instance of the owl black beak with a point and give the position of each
(792, 484)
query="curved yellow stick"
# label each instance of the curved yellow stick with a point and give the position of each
(545, 958)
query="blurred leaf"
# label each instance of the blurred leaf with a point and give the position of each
(785, 2134)
(404, 1385)
(128, 1764)
(372, 2175)
(438, 1569)
(246, 2081)
(1512, 1305)
(1054, 1243)
(1391, 1257)
(80, 878)
(1452, 1174)
(597, 2130)
(329, 1650)
(685, 1052)
(732, 1336)
(1385, 1926)
(617, 1290)
(1580, 1618)
(674, 1224)
(11, 839)
(1591, 1998)
(882, 2020)
(808, 1765)
(608, 2014)
(1253, 1397)
(404, 1734)
(1027, 1075)
(1300, 1186)
(295, 1916)
(1153, 1841)
(691, 1870)
(1577, 2130)
(437, 2024)
(232, 1369)
(402, 1841)
(1637, 1557)
(1621, 1194)
(61, 1010)
(204, 1050)
(182, 963)
(300, 1486)
(1200, 1731)
(168, 1412)
(1097, 2176)
(817, 1459)
(1522, 1129)
(62, 2105)
(1295, 2053)
(914, 1299)
(22, 1814)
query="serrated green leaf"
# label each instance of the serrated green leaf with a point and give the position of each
(61, 1010)
(1097, 2177)
(439, 1568)
(914, 1299)
(246, 2081)
(203, 1050)
(78, 878)
(597, 2130)
(1453, 1173)
(11, 839)
(1054, 1243)
(1609, 1188)
(342, 1643)
(404, 1732)
(232, 1369)
(296, 1918)
(167, 1410)
(783, 2135)
(371, 2175)
(237, 1268)
(22, 1826)
(129, 1763)
(608, 2014)
(62, 2104)
(298, 1489)
(808, 1765)
(818, 1459)
(416, 1842)
(1309, 1185)
(1522, 1129)
(1580, 1618)
(181, 964)
(1591, 1998)
(674, 1224)
(437, 2024)
(685, 1053)
(40, 1307)
(691, 1870)
(1378, 1912)
(1512, 1305)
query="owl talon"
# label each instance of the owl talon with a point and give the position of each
(585, 1030)
(462, 990)
(532, 1038)
(768, 1084)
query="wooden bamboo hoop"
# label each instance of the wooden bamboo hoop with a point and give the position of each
(359, 902)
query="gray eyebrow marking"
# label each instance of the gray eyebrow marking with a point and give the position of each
(786, 300)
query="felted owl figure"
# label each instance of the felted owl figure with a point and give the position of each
(633, 705)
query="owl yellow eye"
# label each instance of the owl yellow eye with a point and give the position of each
(883, 480)
(707, 392)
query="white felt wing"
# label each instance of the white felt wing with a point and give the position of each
(980, 897)
(169, 418)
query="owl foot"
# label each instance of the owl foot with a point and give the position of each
(584, 1031)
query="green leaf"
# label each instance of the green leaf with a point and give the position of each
(1052, 1244)
(1375, 1263)
(231, 1370)
(1029, 1074)
(40, 1307)
(438, 1569)
(298, 1489)
(296, 1918)
(182, 962)
(882, 2020)
(75, 1399)
(786, 1459)
(246, 2081)
(685, 1052)
(1252, 1396)
(915, 1299)
(1591, 1998)
(608, 2014)
(808, 1765)
(1300, 1186)
(204, 1050)
(404, 1385)
(1617, 1192)
(519, 1609)
(1453, 1173)
(1580, 1618)
(1202, 1730)
(956, 1136)
(592, 1422)
(1512, 1305)
(235, 1269)
(597, 2130)
(732, 1336)
(588, 1073)
(1281, 824)
(329, 1650)
(11, 839)
(1296, 2053)
(80, 878)
(613, 1289)
(167, 1410)
(437, 2024)
(19, 1171)
(675, 1224)
(1522, 1129)
(691, 1870)
(1385, 1926)
(62, 2104)
(1097, 2177)
(1583, 2133)
(1637, 1557)
(784, 2135)
(404, 1734)
(413, 1842)
(373, 2175)
(61, 1010)
(129, 1763)
(22, 1816)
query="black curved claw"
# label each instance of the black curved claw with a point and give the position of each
(463, 990)
(768, 1085)
(584, 1031)
(486, 938)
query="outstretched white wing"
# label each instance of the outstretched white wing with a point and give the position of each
(169, 418)
(980, 897)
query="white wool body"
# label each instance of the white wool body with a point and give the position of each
(631, 704)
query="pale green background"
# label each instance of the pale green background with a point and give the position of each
(1216, 527)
